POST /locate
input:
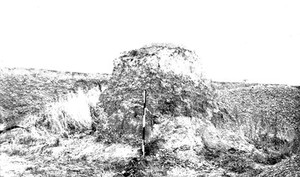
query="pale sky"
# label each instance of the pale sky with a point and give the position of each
(255, 40)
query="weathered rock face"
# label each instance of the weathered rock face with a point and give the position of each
(172, 78)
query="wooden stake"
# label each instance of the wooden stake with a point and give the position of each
(144, 123)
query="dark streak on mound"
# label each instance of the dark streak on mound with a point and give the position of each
(6, 129)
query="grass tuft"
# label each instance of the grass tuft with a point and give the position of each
(68, 114)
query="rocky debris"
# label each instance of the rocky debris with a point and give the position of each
(214, 138)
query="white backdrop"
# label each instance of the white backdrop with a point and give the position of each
(236, 40)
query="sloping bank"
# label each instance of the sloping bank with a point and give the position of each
(269, 116)
(186, 120)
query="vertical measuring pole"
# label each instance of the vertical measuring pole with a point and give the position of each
(144, 123)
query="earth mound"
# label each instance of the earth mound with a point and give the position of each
(171, 76)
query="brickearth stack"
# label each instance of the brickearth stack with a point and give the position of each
(178, 96)
(172, 77)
